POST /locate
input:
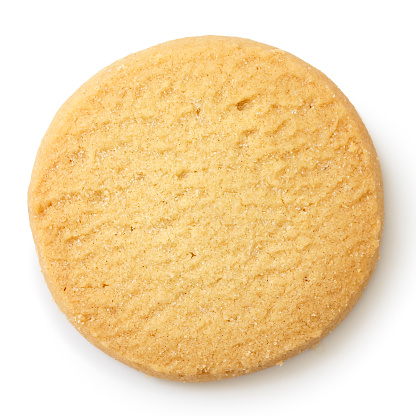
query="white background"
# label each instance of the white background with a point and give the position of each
(367, 365)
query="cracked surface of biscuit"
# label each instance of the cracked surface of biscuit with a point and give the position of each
(206, 208)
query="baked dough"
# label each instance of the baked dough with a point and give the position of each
(206, 208)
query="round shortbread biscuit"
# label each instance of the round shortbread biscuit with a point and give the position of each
(206, 208)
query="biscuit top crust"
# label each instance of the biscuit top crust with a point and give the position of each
(207, 207)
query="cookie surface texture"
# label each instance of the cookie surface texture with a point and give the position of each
(206, 208)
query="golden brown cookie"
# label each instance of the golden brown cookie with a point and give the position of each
(206, 208)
